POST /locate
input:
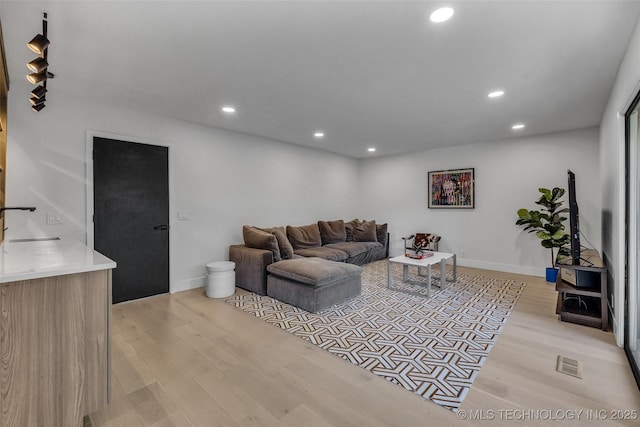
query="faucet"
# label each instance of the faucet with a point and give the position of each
(19, 208)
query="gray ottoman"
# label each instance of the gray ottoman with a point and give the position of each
(313, 284)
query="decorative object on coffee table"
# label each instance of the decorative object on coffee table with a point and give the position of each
(421, 242)
(452, 189)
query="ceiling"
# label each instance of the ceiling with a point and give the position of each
(367, 73)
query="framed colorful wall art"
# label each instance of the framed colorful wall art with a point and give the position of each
(452, 189)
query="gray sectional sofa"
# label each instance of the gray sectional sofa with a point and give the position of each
(355, 242)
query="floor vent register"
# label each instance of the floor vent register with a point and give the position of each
(569, 366)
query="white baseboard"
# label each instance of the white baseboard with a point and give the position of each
(496, 266)
(185, 285)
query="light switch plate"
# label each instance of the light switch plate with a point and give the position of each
(182, 215)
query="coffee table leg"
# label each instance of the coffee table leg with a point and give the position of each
(429, 281)
(405, 272)
(443, 273)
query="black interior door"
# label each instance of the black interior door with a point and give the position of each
(131, 215)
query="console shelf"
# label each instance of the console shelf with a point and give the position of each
(582, 291)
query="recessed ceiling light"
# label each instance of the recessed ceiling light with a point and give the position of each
(517, 126)
(228, 109)
(496, 94)
(441, 15)
(371, 149)
(319, 134)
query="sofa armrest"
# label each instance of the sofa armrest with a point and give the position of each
(251, 267)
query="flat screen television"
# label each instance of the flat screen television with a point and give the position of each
(574, 220)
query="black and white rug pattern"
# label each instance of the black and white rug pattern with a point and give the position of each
(433, 347)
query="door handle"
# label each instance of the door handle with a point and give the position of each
(161, 227)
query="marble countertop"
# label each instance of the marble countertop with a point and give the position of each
(22, 259)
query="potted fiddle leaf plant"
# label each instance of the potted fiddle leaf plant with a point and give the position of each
(548, 225)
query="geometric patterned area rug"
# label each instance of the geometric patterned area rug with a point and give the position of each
(432, 347)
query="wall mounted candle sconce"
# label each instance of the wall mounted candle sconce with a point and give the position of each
(39, 68)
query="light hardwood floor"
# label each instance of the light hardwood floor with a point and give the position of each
(187, 360)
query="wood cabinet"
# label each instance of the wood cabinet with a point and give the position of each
(54, 349)
(582, 291)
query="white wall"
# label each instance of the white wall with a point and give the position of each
(222, 179)
(507, 175)
(612, 147)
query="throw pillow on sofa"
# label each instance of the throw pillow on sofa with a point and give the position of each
(381, 233)
(348, 228)
(304, 237)
(363, 231)
(260, 239)
(286, 250)
(332, 231)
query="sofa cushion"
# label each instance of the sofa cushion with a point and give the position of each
(260, 239)
(332, 231)
(286, 250)
(353, 248)
(325, 252)
(304, 237)
(363, 231)
(313, 271)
